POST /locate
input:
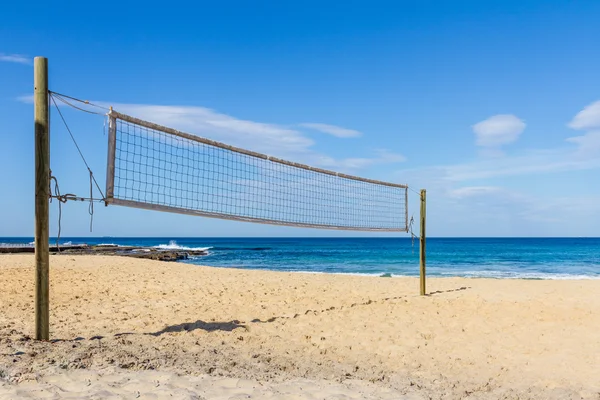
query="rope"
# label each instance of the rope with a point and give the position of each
(91, 206)
(412, 235)
(414, 191)
(412, 220)
(77, 146)
(62, 98)
(78, 108)
(63, 198)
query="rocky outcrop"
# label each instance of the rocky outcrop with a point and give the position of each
(128, 251)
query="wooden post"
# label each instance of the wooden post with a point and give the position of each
(42, 199)
(422, 242)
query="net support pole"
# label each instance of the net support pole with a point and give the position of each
(422, 242)
(42, 199)
(110, 163)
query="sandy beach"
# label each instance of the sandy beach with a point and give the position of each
(124, 327)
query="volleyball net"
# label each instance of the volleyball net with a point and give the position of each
(159, 168)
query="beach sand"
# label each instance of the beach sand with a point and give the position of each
(125, 327)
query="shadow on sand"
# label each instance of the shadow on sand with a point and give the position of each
(205, 326)
(235, 324)
(448, 291)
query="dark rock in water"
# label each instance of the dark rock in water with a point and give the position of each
(16, 249)
(386, 275)
(151, 253)
(162, 255)
(20, 248)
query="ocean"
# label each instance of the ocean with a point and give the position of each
(526, 258)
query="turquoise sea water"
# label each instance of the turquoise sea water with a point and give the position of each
(531, 258)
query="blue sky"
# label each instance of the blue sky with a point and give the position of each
(493, 106)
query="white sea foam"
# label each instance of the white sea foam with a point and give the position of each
(174, 246)
(469, 274)
(520, 275)
(371, 274)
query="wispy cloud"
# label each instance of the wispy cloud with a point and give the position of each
(589, 144)
(258, 136)
(273, 139)
(381, 156)
(473, 191)
(27, 99)
(332, 130)
(498, 130)
(518, 213)
(16, 58)
(527, 163)
(579, 153)
(588, 118)
(505, 206)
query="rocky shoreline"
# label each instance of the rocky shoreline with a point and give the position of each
(150, 253)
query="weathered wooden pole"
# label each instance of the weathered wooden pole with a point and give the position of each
(422, 242)
(42, 199)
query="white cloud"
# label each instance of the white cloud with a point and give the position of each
(528, 163)
(332, 130)
(389, 157)
(382, 156)
(468, 197)
(15, 58)
(258, 136)
(473, 191)
(588, 118)
(266, 138)
(504, 210)
(27, 99)
(588, 144)
(271, 139)
(498, 130)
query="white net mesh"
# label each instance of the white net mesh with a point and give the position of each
(154, 167)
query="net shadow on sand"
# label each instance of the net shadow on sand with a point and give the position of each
(447, 291)
(199, 324)
(230, 326)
